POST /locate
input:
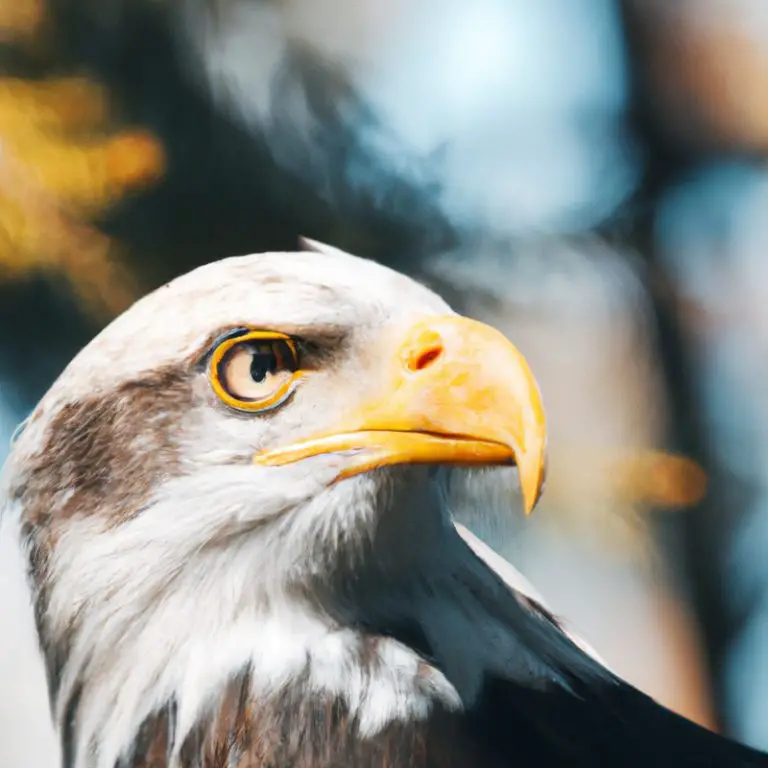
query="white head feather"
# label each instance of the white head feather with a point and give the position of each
(165, 562)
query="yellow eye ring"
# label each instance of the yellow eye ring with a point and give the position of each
(254, 371)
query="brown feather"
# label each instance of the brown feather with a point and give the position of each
(98, 448)
(297, 729)
(89, 453)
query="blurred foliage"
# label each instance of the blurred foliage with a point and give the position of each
(21, 20)
(60, 169)
(609, 494)
(64, 162)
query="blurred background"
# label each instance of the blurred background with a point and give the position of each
(587, 175)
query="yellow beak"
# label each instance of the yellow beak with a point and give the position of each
(455, 391)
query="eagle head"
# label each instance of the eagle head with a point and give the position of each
(246, 473)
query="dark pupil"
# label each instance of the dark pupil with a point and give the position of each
(263, 363)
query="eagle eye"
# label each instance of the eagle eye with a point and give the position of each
(254, 371)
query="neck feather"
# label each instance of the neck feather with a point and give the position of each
(153, 635)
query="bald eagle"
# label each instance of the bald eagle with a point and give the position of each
(237, 508)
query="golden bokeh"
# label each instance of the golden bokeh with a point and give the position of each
(64, 163)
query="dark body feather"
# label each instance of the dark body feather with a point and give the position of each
(580, 715)
(509, 727)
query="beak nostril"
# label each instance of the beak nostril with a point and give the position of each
(422, 359)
